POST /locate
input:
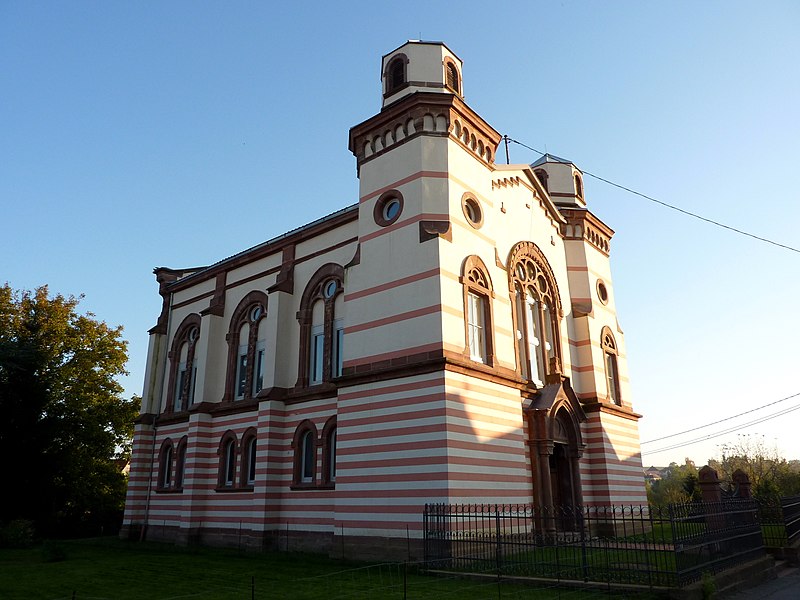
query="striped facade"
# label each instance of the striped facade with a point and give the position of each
(451, 337)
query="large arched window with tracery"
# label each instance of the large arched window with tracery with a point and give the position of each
(321, 318)
(247, 348)
(536, 311)
(183, 372)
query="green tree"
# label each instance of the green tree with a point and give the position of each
(65, 426)
(678, 484)
(770, 474)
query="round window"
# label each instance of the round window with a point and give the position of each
(193, 334)
(256, 313)
(472, 211)
(388, 208)
(391, 210)
(329, 291)
(602, 291)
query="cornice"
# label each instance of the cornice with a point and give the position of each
(611, 409)
(267, 248)
(581, 224)
(405, 119)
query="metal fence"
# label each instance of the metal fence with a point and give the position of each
(641, 545)
(780, 521)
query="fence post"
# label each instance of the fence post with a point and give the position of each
(498, 551)
(671, 514)
(584, 557)
(425, 552)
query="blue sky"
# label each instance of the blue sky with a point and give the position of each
(135, 135)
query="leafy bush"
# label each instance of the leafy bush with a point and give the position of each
(19, 533)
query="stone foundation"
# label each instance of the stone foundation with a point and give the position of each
(365, 548)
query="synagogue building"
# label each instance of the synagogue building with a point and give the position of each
(450, 337)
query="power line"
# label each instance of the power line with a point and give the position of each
(723, 420)
(665, 204)
(711, 436)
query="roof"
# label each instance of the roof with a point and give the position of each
(421, 42)
(550, 158)
(271, 244)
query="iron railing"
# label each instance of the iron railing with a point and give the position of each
(791, 518)
(645, 545)
(780, 521)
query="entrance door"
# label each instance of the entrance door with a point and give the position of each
(561, 485)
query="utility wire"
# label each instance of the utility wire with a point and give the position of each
(722, 420)
(681, 210)
(711, 436)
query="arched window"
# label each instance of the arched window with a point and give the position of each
(610, 354)
(247, 348)
(321, 318)
(227, 460)
(329, 452)
(183, 372)
(396, 74)
(249, 447)
(305, 454)
(478, 310)
(451, 77)
(165, 465)
(578, 186)
(541, 175)
(536, 312)
(180, 463)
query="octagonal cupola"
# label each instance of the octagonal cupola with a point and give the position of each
(420, 67)
(562, 180)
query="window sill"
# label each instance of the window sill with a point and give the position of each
(233, 490)
(304, 486)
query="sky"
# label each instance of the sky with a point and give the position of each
(143, 134)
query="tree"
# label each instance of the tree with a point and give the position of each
(678, 484)
(64, 425)
(770, 474)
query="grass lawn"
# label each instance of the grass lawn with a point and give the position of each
(107, 568)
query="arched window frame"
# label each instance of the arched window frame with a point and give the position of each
(166, 456)
(478, 315)
(180, 463)
(249, 458)
(304, 448)
(333, 326)
(537, 278)
(610, 366)
(452, 76)
(398, 61)
(252, 346)
(187, 333)
(228, 452)
(542, 176)
(578, 186)
(329, 453)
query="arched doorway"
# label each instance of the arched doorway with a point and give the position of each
(554, 437)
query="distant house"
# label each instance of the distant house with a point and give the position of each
(450, 337)
(652, 474)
